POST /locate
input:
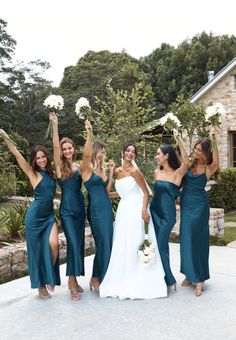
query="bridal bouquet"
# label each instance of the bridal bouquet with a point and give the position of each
(82, 108)
(170, 121)
(213, 114)
(54, 103)
(146, 251)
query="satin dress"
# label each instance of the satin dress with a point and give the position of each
(194, 228)
(163, 211)
(39, 221)
(101, 221)
(72, 214)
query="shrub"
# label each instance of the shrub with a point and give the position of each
(223, 195)
(12, 222)
(6, 185)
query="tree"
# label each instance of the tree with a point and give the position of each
(121, 118)
(15, 180)
(192, 119)
(183, 70)
(89, 77)
(7, 95)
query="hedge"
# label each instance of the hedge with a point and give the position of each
(223, 195)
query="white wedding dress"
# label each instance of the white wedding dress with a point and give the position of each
(126, 276)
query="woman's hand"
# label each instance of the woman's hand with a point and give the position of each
(88, 125)
(113, 194)
(3, 133)
(145, 215)
(175, 134)
(213, 131)
(111, 165)
(53, 118)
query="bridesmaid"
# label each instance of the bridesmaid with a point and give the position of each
(194, 226)
(72, 209)
(41, 230)
(168, 176)
(99, 211)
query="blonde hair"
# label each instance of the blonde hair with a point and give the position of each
(66, 166)
(96, 147)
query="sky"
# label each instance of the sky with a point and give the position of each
(62, 31)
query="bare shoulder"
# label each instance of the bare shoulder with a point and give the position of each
(117, 172)
(157, 171)
(135, 172)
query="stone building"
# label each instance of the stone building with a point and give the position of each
(221, 88)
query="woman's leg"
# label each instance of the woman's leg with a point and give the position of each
(53, 241)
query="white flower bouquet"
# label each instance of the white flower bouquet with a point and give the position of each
(54, 103)
(82, 108)
(146, 251)
(170, 121)
(214, 113)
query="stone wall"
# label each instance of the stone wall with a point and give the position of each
(223, 92)
(216, 222)
(13, 258)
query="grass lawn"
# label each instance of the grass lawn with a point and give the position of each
(230, 217)
(230, 234)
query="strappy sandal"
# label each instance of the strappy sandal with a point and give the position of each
(186, 283)
(43, 293)
(79, 288)
(74, 293)
(174, 287)
(94, 284)
(199, 288)
(50, 288)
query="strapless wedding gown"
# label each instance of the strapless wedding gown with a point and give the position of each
(126, 276)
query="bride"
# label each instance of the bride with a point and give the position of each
(126, 276)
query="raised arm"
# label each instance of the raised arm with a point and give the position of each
(184, 155)
(86, 160)
(212, 168)
(111, 172)
(56, 143)
(138, 176)
(19, 158)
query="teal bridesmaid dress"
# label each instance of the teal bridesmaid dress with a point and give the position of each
(101, 221)
(194, 228)
(72, 214)
(163, 211)
(39, 221)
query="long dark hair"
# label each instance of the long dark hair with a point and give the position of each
(66, 168)
(33, 155)
(173, 159)
(125, 148)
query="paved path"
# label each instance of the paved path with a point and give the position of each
(182, 316)
(230, 224)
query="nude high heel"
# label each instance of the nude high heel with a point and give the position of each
(186, 283)
(43, 293)
(94, 285)
(50, 288)
(79, 288)
(199, 288)
(174, 287)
